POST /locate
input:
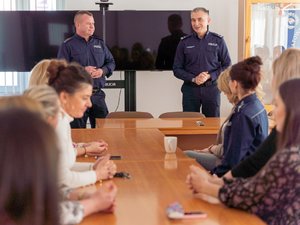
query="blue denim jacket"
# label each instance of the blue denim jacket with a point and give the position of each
(245, 131)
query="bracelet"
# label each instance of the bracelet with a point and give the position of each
(85, 152)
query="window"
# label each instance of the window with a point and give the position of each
(12, 83)
(271, 27)
(42, 4)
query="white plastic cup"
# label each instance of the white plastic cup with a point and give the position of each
(170, 143)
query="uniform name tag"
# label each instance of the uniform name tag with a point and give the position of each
(191, 46)
(213, 44)
(97, 46)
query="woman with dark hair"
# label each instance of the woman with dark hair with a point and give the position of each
(273, 194)
(40, 76)
(210, 156)
(247, 127)
(29, 198)
(285, 67)
(74, 205)
(74, 88)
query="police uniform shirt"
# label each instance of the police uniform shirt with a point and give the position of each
(89, 53)
(195, 55)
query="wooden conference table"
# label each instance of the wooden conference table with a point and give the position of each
(190, 134)
(157, 179)
(131, 144)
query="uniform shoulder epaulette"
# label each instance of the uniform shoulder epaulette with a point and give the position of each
(68, 39)
(216, 35)
(186, 36)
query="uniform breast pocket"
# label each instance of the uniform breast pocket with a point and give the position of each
(190, 54)
(98, 51)
(212, 50)
(77, 55)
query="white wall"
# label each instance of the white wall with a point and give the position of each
(158, 92)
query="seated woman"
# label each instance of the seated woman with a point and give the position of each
(210, 156)
(285, 67)
(76, 204)
(248, 125)
(74, 88)
(273, 194)
(28, 172)
(39, 76)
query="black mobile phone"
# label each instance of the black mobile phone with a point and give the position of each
(115, 157)
(122, 175)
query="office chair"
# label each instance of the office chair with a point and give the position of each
(182, 115)
(129, 115)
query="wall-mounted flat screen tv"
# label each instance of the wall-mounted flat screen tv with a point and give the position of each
(138, 40)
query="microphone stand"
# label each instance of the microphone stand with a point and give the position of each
(130, 76)
(104, 5)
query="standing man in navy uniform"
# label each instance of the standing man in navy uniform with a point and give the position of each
(94, 55)
(200, 58)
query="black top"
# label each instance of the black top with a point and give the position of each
(251, 165)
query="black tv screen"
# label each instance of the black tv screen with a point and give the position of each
(134, 37)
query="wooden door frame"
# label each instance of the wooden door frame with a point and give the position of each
(246, 10)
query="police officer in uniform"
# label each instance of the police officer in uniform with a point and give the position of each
(200, 58)
(90, 52)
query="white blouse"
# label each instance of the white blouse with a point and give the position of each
(71, 173)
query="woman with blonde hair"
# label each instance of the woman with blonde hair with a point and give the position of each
(48, 98)
(39, 74)
(286, 67)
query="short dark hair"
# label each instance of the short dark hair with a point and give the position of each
(202, 9)
(67, 77)
(247, 72)
(290, 135)
(80, 13)
(28, 169)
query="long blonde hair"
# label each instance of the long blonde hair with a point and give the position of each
(286, 67)
(21, 102)
(223, 85)
(39, 74)
(47, 97)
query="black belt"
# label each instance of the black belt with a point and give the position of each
(95, 90)
(208, 83)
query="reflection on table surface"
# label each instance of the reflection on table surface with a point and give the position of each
(157, 180)
(143, 198)
(131, 144)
